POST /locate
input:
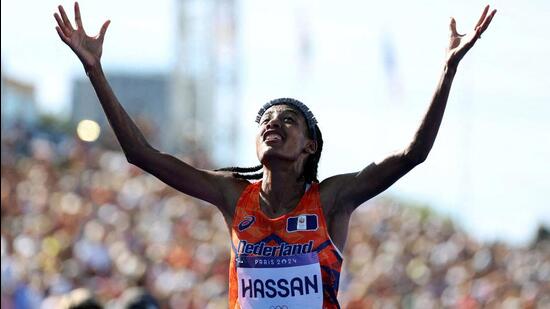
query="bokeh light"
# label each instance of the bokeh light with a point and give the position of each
(88, 130)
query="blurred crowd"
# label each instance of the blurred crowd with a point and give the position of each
(82, 226)
(402, 257)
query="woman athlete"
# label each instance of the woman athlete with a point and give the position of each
(287, 230)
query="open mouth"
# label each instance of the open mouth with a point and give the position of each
(272, 136)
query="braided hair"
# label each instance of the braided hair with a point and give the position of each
(312, 162)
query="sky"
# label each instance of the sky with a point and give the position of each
(368, 71)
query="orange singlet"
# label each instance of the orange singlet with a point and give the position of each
(285, 262)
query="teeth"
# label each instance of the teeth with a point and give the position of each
(273, 137)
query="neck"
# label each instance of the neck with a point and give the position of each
(282, 184)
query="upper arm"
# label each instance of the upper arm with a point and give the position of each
(353, 189)
(218, 188)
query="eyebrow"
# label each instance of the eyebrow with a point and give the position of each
(290, 110)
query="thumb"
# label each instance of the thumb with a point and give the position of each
(452, 27)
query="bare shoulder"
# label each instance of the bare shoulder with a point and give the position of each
(337, 209)
(231, 187)
(331, 191)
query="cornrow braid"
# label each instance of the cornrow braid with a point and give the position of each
(249, 176)
(243, 172)
(240, 169)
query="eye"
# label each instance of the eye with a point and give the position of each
(288, 119)
(264, 121)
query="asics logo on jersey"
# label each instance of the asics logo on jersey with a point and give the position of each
(246, 223)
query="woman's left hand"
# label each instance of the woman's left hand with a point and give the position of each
(460, 44)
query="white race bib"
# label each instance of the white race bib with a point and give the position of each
(284, 282)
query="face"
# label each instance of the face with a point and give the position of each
(283, 134)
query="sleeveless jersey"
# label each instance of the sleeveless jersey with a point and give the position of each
(285, 262)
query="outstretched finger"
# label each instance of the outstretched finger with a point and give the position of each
(77, 17)
(487, 21)
(61, 24)
(62, 35)
(66, 20)
(104, 29)
(482, 18)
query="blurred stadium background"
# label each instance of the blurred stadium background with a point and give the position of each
(79, 223)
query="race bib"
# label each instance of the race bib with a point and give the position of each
(285, 282)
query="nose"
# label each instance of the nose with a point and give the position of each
(274, 123)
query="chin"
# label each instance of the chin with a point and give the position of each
(274, 154)
(268, 153)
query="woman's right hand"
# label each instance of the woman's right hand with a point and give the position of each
(87, 48)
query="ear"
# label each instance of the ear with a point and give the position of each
(311, 147)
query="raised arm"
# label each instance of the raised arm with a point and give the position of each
(351, 190)
(214, 187)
